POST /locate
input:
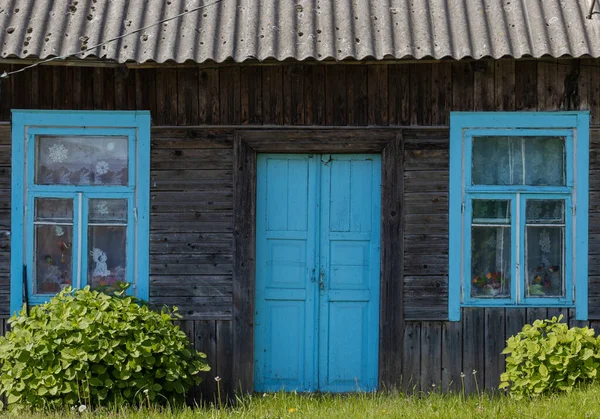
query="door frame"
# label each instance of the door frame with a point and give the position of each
(246, 145)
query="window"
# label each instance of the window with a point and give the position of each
(518, 210)
(80, 201)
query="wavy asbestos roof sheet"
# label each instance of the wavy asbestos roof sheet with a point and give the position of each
(299, 29)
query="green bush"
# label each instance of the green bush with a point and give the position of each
(88, 348)
(549, 356)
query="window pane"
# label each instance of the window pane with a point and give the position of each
(108, 211)
(52, 258)
(544, 249)
(54, 210)
(490, 262)
(491, 211)
(490, 249)
(548, 211)
(535, 161)
(107, 256)
(545, 161)
(497, 161)
(81, 160)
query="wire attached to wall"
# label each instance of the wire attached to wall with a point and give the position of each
(116, 38)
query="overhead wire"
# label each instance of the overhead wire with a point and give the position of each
(116, 38)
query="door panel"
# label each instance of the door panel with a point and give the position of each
(317, 275)
(285, 249)
(349, 271)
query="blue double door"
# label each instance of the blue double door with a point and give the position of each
(317, 272)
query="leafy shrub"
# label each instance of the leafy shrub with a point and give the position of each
(87, 347)
(549, 356)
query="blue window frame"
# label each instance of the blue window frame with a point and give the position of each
(80, 202)
(518, 220)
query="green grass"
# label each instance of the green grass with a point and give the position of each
(581, 403)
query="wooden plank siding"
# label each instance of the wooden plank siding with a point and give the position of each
(198, 114)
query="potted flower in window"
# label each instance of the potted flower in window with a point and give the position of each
(489, 283)
(544, 280)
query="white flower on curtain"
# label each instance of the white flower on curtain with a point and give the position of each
(58, 153)
(102, 167)
(110, 146)
(102, 208)
(59, 231)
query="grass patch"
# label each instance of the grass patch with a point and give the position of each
(581, 403)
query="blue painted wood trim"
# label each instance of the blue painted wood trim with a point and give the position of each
(455, 217)
(580, 250)
(27, 123)
(142, 122)
(17, 256)
(575, 126)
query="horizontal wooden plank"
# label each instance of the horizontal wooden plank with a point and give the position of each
(190, 269)
(185, 159)
(426, 181)
(191, 285)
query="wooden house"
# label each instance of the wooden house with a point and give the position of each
(337, 194)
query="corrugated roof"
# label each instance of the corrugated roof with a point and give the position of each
(299, 29)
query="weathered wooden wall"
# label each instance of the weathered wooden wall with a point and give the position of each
(196, 112)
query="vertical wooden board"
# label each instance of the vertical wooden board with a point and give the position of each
(420, 94)
(62, 86)
(209, 96)
(557, 312)
(244, 260)
(452, 357)
(537, 313)
(166, 96)
(314, 95)
(18, 83)
(145, 82)
(230, 97)
(87, 87)
(483, 91)
(108, 100)
(516, 318)
(431, 356)
(504, 84)
(335, 95)
(125, 88)
(462, 86)
(98, 87)
(293, 94)
(473, 348)
(378, 102)
(272, 95)
(251, 94)
(594, 91)
(225, 358)
(187, 96)
(391, 313)
(5, 91)
(399, 94)
(441, 93)
(411, 357)
(494, 344)
(206, 342)
(547, 92)
(585, 88)
(526, 85)
(45, 87)
(357, 94)
(568, 73)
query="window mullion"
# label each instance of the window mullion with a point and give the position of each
(519, 233)
(80, 239)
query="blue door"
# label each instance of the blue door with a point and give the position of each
(317, 272)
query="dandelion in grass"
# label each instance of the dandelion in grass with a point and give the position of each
(291, 410)
(82, 408)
